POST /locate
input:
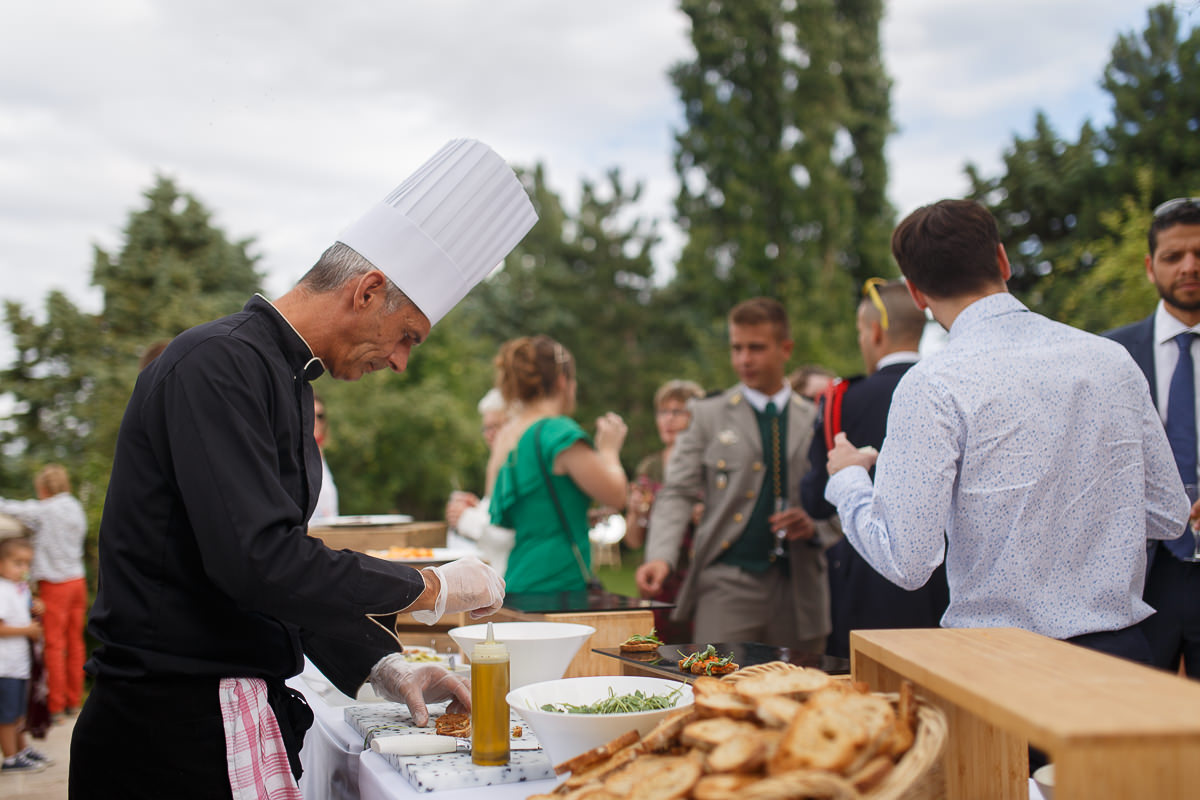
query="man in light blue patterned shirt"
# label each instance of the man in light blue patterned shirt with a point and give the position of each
(1034, 447)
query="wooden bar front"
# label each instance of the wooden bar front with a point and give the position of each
(1113, 729)
(381, 537)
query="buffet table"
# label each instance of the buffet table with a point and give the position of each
(1113, 729)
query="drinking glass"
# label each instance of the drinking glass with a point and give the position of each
(780, 549)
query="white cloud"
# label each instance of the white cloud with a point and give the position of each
(288, 118)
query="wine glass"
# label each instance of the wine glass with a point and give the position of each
(780, 550)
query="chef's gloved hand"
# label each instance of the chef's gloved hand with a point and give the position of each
(467, 584)
(416, 685)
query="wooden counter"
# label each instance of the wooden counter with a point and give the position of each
(381, 537)
(1114, 729)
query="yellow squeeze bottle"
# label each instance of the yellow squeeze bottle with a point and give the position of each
(489, 706)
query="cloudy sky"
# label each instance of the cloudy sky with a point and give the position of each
(288, 118)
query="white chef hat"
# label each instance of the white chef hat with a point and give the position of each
(446, 226)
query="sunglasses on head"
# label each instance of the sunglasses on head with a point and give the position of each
(872, 293)
(1176, 204)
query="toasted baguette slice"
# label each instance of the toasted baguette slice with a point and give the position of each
(622, 781)
(819, 738)
(666, 733)
(905, 731)
(597, 754)
(706, 685)
(724, 704)
(638, 647)
(722, 787)
(805, 783)
(740, 754)
(796, 684)
(777, 711)
(673, 779)
(706, 734)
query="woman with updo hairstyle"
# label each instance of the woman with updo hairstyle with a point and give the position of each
(537, 375)
(672, 415)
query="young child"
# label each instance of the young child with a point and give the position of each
(16, 627)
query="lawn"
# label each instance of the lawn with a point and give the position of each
(619, 580)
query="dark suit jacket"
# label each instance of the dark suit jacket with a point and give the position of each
(860, 597)
(1138, 339)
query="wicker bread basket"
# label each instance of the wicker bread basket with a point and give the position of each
(918, 774)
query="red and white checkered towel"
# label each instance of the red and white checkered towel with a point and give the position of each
(254, 750)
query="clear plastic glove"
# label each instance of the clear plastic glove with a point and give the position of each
(416, 685)
(467, 584)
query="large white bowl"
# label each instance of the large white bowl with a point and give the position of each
(1044, 778)
(537, 651)
(565, 736)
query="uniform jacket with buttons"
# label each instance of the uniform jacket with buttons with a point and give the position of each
(719, 461)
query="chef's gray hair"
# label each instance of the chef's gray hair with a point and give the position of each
(341, 263)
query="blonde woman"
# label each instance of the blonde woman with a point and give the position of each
(59, 525)
(545, 471)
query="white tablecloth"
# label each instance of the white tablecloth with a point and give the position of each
(331, 747)
(378, 781)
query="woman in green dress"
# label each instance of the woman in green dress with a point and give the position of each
(545, 471)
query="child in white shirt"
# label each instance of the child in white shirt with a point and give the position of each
(16, 627)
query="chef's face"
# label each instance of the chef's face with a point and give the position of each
(378, 339)
(759, 355)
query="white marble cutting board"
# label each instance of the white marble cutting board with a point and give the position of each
(448, 770)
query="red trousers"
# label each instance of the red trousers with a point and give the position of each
(62, 624)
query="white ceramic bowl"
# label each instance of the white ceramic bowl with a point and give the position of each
(565, 736)
(1044, 778)
(537, 651)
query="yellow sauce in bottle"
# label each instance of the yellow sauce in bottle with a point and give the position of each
(489, 706)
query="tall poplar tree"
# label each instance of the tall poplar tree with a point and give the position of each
(782, 170)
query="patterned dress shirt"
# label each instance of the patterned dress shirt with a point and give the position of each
(1033, 451)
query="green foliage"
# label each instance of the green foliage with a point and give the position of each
(1056, 198)
(73, 373)
(585, 279)
(782, 170)
(1114, 290)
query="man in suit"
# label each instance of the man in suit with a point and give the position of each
(1164, 346)
(889, 328)
(758, 572)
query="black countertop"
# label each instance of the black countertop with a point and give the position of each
(582, 600)
(665, 661)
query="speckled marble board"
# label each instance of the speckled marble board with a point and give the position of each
(448, 770)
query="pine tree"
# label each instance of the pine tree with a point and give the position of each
(1056, 198)
(73, 373)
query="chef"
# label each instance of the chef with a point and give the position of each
(210, 592)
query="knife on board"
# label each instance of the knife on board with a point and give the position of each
(417, 744)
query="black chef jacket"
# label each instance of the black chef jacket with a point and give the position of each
(206, 568)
